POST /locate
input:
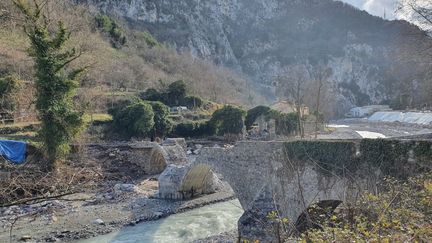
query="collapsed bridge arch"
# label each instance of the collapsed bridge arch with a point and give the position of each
(153, 158)
(188, 181)
(199, 180)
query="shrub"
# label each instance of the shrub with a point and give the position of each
(228, 120)
(176, 93)
(136, 119)
(110, 27)
(286, 124)
(121, 104)
(103, 22)
(162, 125)
(193, 102)
(185, 129)
(149, 39)
(401, 212)
(121, 116)
(193, 129)
(254, 113)
(152, 95)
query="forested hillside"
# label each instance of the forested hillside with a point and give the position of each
(372, 60)
(119, 60)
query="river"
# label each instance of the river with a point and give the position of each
(183, 227)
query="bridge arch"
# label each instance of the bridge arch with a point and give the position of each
(289, 176)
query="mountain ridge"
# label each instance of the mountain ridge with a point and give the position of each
(262, 38)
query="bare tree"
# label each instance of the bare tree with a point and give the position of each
(417, 11)
(320, 75)
(413, 58)
(293, 85)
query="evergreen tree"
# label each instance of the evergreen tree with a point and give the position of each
(61, 122)
(135, 120)
(176, 93)
(162, 124)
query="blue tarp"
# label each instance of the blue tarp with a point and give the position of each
(13, 151)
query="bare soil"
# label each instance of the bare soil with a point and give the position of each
(106, 193)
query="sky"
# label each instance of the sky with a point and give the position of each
(376, 7)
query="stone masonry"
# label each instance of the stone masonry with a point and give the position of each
(290, 176)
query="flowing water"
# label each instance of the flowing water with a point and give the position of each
(183, 227)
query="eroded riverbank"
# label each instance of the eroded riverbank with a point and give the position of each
(84, 215)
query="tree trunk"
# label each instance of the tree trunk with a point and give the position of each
(317, 110)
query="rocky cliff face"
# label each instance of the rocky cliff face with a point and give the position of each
(262, 38)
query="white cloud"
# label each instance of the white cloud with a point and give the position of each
(376, 7)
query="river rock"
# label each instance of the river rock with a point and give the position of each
(25, 238)
(99, 222)
(120, 188)
(51, 239)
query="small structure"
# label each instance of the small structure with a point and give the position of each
(178, 109)
(365, 111)
(263, 129)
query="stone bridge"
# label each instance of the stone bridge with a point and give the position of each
(287, 177)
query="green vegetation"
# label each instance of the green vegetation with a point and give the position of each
(56, 87)
(152, 94)
(193, 129)
(135, 119)
(228, 120)
(336, 156)
(254, 113)
(136, 66)
(286, 124)
(109, 26)
(193, 102)
(162, 125)
(148, 39)
(340, 156)
(401, 212)
(174, 95)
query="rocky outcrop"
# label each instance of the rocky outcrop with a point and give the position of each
(262, 38)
